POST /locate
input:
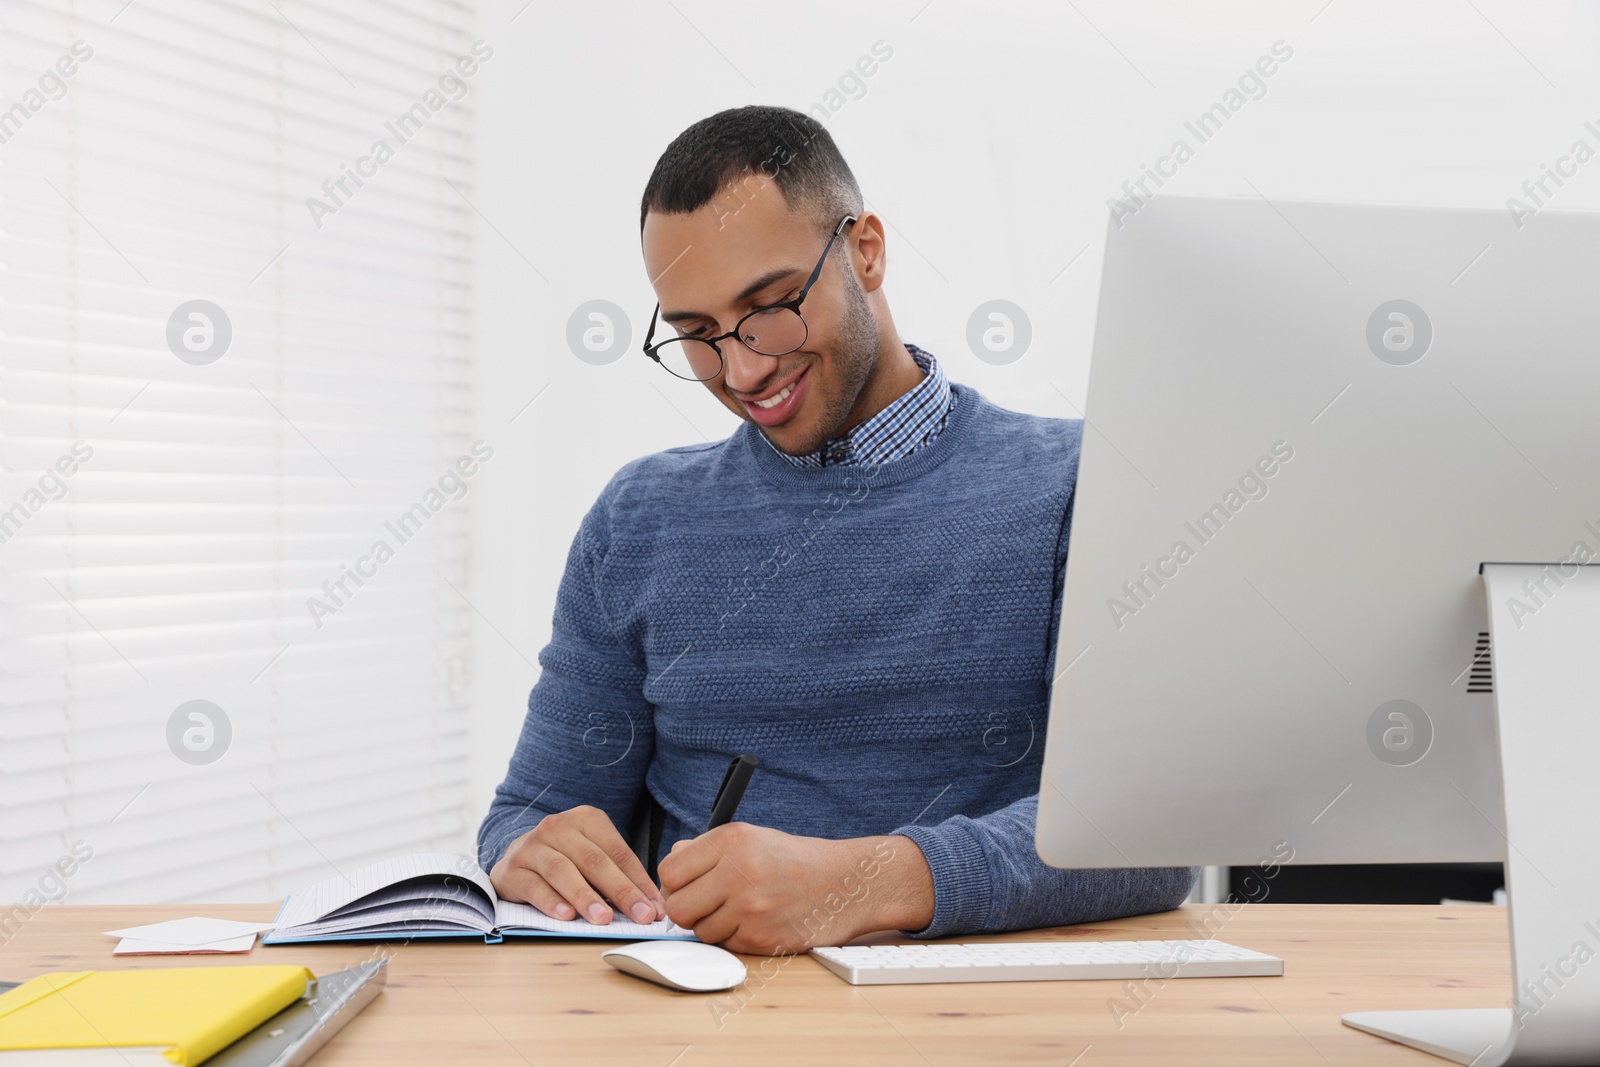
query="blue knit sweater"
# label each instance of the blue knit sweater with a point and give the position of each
(881, 638)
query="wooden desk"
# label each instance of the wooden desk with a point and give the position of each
(555, 1002)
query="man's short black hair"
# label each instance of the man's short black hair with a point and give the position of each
(754, 147)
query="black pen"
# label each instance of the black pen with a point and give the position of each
(732, 789)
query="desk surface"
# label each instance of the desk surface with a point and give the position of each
(555, 1002)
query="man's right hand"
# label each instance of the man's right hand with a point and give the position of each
(573, 858)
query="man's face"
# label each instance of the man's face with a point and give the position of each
(712, 266)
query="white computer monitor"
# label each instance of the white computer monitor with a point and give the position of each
(1309, 426)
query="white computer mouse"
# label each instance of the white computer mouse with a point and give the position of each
(691, 966)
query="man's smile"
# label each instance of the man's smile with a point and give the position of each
(778, 405)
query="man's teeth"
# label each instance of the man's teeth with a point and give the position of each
(773, 401)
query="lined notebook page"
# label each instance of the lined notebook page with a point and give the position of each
(328, 896)
(513, 915)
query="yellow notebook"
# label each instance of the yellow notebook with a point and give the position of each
(188, 1014)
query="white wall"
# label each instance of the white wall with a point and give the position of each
(990, 141)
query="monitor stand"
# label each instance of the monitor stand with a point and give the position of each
(1544, 634)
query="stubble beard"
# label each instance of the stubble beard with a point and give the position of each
(855, 355)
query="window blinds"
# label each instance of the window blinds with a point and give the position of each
(235, 363)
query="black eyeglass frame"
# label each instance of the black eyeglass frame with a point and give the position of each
(653, 350)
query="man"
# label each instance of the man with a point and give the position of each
(860, 586)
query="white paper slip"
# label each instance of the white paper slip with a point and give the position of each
(133, 946)
(195, 930)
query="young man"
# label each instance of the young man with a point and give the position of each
(860, 586)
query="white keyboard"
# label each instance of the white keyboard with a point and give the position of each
(1043, 961)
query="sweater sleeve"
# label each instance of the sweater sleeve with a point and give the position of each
(589, 731)
(987, 875)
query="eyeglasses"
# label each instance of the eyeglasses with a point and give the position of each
(770, 330)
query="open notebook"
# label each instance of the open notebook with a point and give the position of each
(432, 894)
